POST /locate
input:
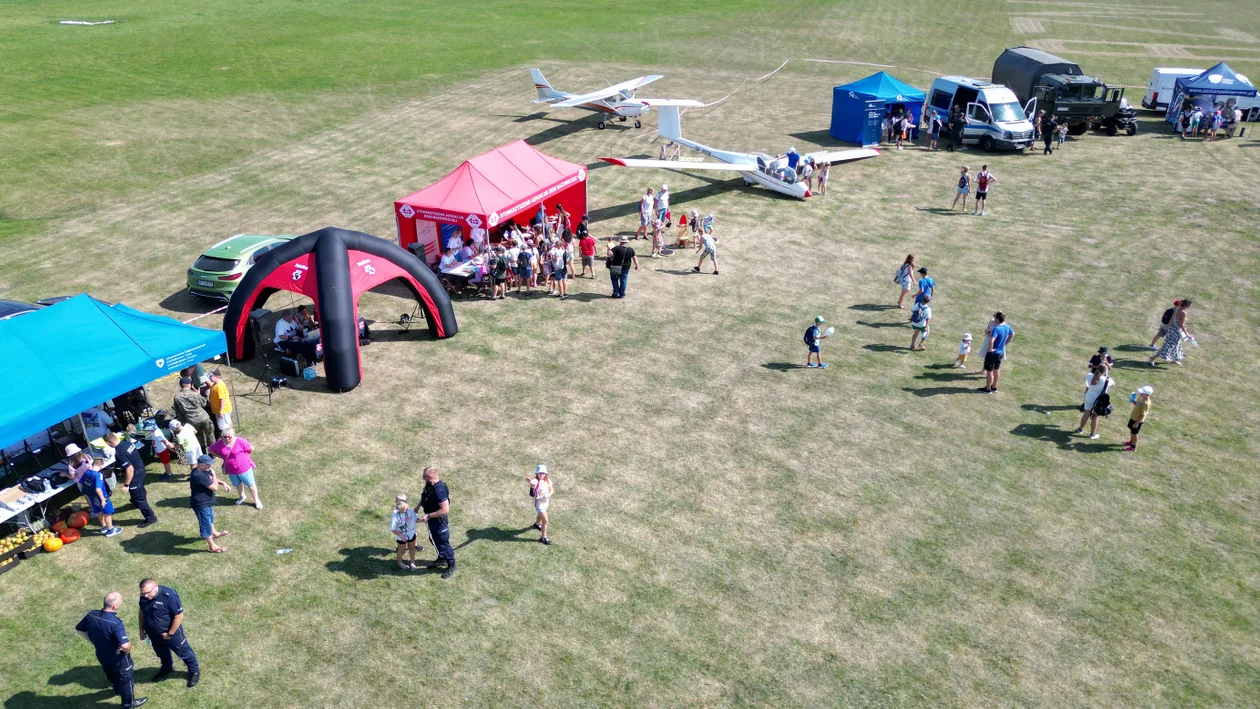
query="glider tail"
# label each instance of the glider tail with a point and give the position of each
(669, 125)
(545, 90)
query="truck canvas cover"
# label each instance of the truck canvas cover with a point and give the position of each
(1021, 67)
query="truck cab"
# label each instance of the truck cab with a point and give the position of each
(995, 119)
(1063, 90)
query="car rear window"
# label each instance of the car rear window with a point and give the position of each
(215, 265)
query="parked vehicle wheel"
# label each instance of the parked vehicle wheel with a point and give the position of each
(1113, 129)
(600, 125)
(637, 124)
(987, 144)
(621, 118)
(1130, 129)
(1078, 129)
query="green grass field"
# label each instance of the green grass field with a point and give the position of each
(729, 529)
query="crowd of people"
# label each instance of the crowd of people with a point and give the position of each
(1223, 119)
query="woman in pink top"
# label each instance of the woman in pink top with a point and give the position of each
(235, 451)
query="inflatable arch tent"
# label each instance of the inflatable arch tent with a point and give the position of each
(333, 267)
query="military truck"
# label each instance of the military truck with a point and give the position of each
(1061, 88)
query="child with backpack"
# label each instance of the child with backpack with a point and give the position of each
(813, 339)
(964, 189)
(1141, 400)
(920, 320)
(984, 180)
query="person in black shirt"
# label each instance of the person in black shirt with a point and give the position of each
(162, 622)
(201, 484)
(620, 259)
(435, 501)
(131, 466)
(1049, 127)
(105, 630)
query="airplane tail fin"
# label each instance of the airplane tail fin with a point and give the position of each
(669, 125)
(545, 90)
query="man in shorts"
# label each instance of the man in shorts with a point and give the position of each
(998, 340)
(984, 180)
(647, 206)
(707, 247)
(586, 246)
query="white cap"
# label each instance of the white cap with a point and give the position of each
(175, 424)
(664, 188)
(1148, 390)
(966, 335)
(72, 449)
(541, 470)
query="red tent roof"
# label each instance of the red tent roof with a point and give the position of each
(494, 182)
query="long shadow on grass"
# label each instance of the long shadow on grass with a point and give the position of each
(497, 534)
(872, 307)
(1062, 438)
(1044, 409)
(1132, 348)
(886, 348)
(161, 543)
(956, 376)
(30, 700)
(784, 366)
(938, 391)
(368, 563)
(676, 200)
(1131, 364)
(939, 210)
(882, 324)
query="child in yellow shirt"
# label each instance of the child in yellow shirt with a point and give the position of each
(1141, 409)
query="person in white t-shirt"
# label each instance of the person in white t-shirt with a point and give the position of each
(646, 206)
(402, 522)
(186, 437)
(541, 489)
(479, 239)
(449, 260)
(707, 247)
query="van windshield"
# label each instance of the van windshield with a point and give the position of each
(1007, 112)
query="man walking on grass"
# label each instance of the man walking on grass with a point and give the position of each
(984, 180)
(998, 340)
(162, 622)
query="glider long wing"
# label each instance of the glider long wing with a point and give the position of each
(680, 164)
(631, 85)
(836, 156)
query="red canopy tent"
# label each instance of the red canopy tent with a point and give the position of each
(487, 191)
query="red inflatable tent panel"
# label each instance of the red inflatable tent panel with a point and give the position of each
(487, 191)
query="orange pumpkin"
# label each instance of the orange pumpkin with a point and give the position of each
(51, 545)
(69, 536)
(59, 526)
(78, 520)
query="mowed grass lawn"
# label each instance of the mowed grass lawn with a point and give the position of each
(730, 529)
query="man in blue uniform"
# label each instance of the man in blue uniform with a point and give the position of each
(162, 621)
(131, 469)
(435, 500)
(104, 629)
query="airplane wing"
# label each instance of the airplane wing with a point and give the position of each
(549, 99)
(613, 90)
(836, 156)
(689, 103)
(680, 164)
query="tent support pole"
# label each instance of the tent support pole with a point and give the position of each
(232, 382)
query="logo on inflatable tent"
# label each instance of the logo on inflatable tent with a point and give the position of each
(494, 218)
(473, 220)
(160, 362)
(407, 211)
(581, 175)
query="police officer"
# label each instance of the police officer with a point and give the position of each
(129, 462)
(104, 629)
(162, 621)
(435, 500)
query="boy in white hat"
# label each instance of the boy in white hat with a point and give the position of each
(402, 522)
(540, 489)
(1141, 409)
(813, 339)
(964, 349)
(186, 437)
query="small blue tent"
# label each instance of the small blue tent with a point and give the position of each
(69, 357)
(1217, 84)
(848, 103)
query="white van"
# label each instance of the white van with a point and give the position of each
(1161, 84)
(994, 117)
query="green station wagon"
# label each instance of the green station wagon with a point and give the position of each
(217, 271)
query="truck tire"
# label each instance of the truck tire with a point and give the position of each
(1078, 129)
(1130, 129)
(1113, 129)
(987, 144)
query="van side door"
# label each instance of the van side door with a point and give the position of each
(979, 121)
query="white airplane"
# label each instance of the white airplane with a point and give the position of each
(616, 100)
(759, 168)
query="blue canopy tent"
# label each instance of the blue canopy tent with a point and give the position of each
(69, 357)
(849, 103)
(1220, 83)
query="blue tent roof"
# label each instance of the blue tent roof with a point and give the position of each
(887, 87)
(1220, 80)
(71, 356)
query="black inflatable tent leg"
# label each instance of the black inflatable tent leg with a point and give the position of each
(339, 328)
